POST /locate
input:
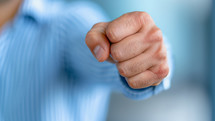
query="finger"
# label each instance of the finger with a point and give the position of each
(161, 70)
(135, 44)
(98, 42)
(143, 80)
(128, 24)
(129, 47)
(136, 65)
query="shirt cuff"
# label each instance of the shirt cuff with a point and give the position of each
(140, 94)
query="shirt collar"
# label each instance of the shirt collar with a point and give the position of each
(34, 9)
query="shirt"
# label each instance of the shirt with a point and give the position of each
(47, 73)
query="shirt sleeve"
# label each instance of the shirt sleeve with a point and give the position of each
(80, 64)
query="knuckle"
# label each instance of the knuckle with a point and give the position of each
(144, 17)
(96, 30)
(98, 24)
(89, 37)
(162, 72)
(143, 14)
(162, 55)
(156, 35)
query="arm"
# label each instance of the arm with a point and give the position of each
(82, 65)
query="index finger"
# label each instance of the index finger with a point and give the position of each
(128, 24)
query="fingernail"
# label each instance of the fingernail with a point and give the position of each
(98, 51)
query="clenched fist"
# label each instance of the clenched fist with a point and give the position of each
(135, 44)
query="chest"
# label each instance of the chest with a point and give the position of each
(28, 52)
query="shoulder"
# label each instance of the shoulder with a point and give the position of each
(67, 19)
(76, 18)
(83, 14)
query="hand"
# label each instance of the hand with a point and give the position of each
(136, 44)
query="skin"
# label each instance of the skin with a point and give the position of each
(136, 46)
(8, 10)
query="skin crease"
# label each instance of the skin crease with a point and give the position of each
(8, 10)
(136, 44)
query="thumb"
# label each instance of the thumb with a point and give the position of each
(97, 42)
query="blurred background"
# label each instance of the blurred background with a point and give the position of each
(187, 25)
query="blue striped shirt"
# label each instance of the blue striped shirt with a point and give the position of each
(47, 73)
